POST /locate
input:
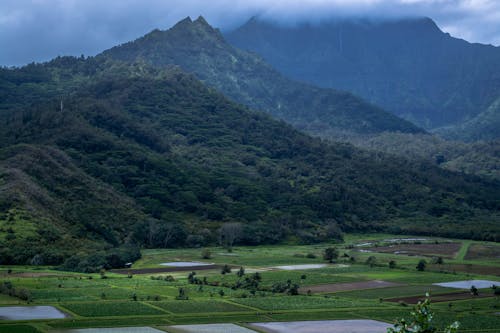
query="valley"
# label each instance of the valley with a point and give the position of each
(325, 174)
(367, 288)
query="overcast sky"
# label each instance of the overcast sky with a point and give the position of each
(38, 30)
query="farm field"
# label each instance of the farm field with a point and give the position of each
(358, 285)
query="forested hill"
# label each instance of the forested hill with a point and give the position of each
(96, 153)
(409, 66)
(244, 77)
(485, 126)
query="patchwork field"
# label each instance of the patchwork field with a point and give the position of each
(260, 288)
(445, 250)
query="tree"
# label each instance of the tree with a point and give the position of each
(229, 233)
(372, 261)
(330, 254)
(422, 321)
(421, 265)
(206, 254)
(392, 264)
(225, 269)
(437, 260)
(241, 272)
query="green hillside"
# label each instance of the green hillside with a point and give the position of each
(485, 126)
(103, 155)
(244, 77)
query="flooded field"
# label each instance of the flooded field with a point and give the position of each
(467, 284)
(300, 267)
(185, 264)
(30, 312)
(324, 326)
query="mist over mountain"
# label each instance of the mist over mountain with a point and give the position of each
(408, 66)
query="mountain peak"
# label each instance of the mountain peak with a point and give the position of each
(202, 22)
(199, 27)
(183, 23)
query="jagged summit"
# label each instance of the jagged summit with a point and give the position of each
(183, 23)
(200, 26)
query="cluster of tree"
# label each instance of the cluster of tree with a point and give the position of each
(7, 288)
(96, 261)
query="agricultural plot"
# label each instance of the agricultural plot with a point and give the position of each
(200, 306)
(151, 299)
(482, 252)
(300, 267)
(112, 330)
(468, 269)
(185, 264)
(325, 326)
(439, 298)
(30, 313)
(208, 328)
(111, 308)
(302, 302)
(385, 293)
(445, 250)
(336, 287)
(18, 329)
(480, 284)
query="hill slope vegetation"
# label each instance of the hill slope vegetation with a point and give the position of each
(98, 154)
(247, 79)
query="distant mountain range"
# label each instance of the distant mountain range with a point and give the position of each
(126, 149)
(409, 67)
(200, 49)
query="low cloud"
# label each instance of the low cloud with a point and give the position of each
(38, 30)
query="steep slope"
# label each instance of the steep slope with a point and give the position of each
(200, 49)
(485, 126)
(48, 202)
(154, 158)
(409, 67)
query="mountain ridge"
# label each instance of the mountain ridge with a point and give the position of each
(200, 49)
(409, 67)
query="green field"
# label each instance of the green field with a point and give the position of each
(151, 300)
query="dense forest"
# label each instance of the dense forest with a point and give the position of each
(98, 154)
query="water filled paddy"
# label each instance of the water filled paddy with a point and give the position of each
(30, 312)
(185, 264)
(324, 326)
(467, 284)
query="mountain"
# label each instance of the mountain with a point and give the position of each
(244, 77)
(409, 66)
(485, 126)
(100, 154)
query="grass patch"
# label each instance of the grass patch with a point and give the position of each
(303, 302)
(394, 292)
(109, 309)
(200, 306)
(18, 329)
